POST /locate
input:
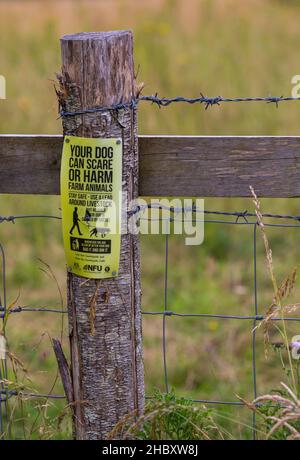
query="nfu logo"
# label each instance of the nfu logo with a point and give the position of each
(2, 87)
(93, 268)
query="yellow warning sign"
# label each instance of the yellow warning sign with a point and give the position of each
(91, 199)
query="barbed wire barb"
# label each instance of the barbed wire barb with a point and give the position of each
(208, 101)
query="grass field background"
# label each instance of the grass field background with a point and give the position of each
(183, 47)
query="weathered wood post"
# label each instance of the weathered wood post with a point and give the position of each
(107, 366)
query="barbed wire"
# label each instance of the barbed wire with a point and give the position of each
(140, 209)
(193, 209)
(160, 102)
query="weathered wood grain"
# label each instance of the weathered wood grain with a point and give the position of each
(30, 164)
(220, 166)
(106, 362)
(169, 165)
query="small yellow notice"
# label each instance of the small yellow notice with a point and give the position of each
(91, 198)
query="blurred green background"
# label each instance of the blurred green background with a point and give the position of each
(182, 47)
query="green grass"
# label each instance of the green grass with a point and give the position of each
(183, 48)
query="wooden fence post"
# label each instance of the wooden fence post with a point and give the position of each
(106, 367)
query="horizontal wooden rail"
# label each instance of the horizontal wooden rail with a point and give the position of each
(169, 165)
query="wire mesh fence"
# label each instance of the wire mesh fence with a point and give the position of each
(240, 219)
(215, 217)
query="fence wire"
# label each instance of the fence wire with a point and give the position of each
(208, 217)
(160, 102)
(220, 217)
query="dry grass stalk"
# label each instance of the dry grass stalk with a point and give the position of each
(287, 285)
(274, 311)
(288, 413)
(279, 292)
(130, 425)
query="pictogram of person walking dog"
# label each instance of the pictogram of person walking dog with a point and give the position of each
(86, 221)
